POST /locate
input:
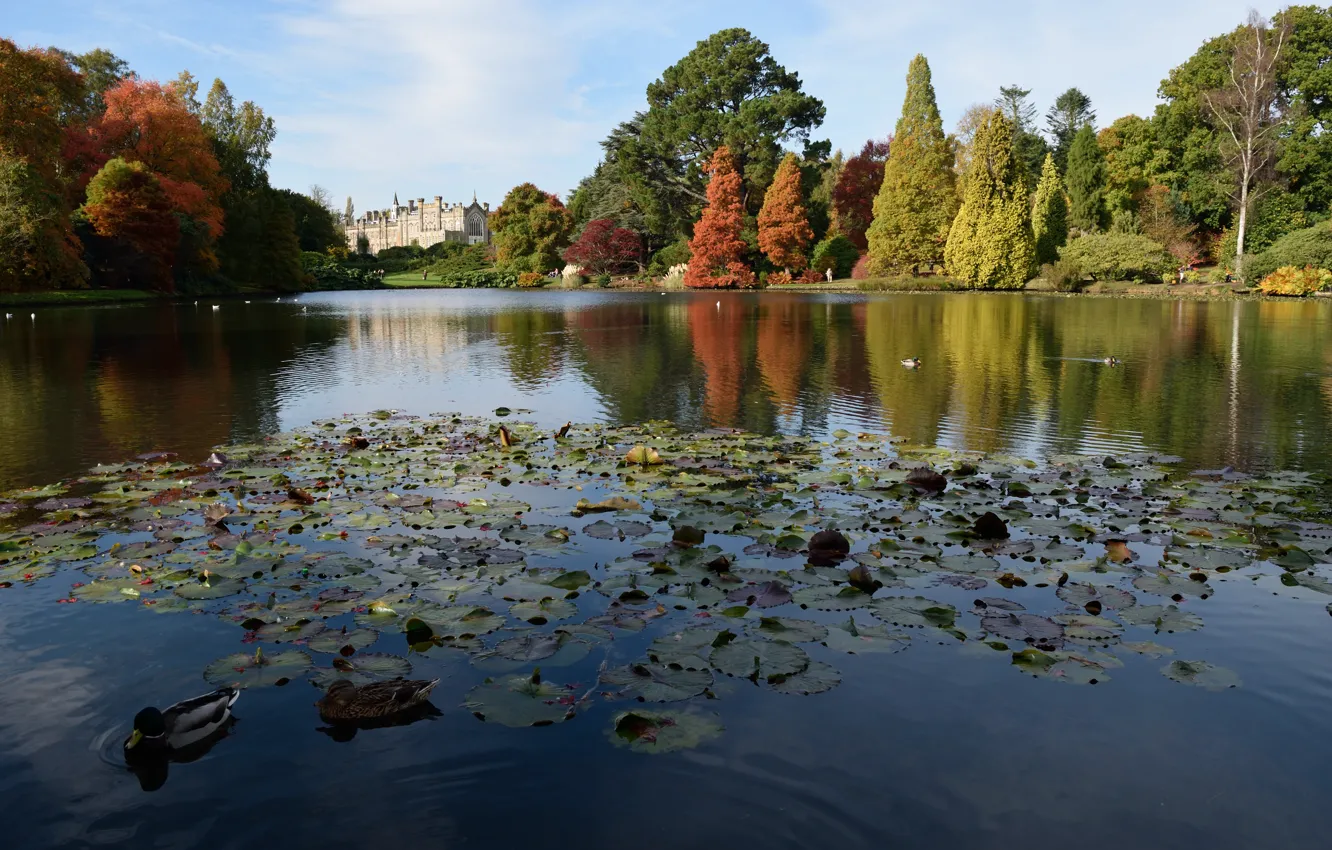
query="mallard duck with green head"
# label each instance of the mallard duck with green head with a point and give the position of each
(345, 702)
(911, 362)
(188, 722)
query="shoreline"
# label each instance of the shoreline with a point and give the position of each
(1110, 290)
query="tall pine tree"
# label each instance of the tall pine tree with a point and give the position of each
(783, 224)
(717, 250)
(1049, 217)
(1086, 182)
(990, 245)
(1070, 113)
(918, 196)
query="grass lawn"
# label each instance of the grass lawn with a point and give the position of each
(75, 296)
(411, 280)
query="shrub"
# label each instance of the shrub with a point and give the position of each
(675, 254)
(860, 271)
(811, 276)
(1119, 256)
(604, 248)
(1063, 274)
(777, 278)
(327, 274)
(602, 280)
(1311, 246)
(527, 280)
(481, 279)
(1289, 280)
(838, 253)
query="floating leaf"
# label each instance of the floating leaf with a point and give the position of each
(1201, 674)
(769, 594)
(542, 612)
(690, 648)
(860, 639)
(663, 731)
(1163, 618)
(1172, 584)
(246, 670)
(1024, 627)
(1067, 667)
(789, 629)
(520, 701)
(915, 611)
(831, 598)
(656, 682)
(364, 668)
(337, 641)
(746, 657)
(816, 678)
(1077, 593)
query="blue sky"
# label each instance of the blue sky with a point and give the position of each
(427, 97)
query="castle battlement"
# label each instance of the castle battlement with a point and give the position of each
(425, 224)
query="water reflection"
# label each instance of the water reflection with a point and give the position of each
(1241, 383)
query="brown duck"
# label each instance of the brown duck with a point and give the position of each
(346, 702)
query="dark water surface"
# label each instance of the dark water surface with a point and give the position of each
(933, 747)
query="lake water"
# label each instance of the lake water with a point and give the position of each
(934, 747)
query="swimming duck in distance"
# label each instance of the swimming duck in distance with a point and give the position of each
(345, 702)
(1111, 361)
(911, 362)
(186, 723)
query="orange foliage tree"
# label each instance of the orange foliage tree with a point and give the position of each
(128, 205)
(783, 224)
(718, 338)
(153, 124)
(717, 249)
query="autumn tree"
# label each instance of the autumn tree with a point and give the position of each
(1245, 111)
(783, 226)
(603, 248)
(918, 198)
(37, 243)
(127, 205)
(150, 123)
(1160, 220)
(856, 188)
(1049, 216)
(718, 249)
(963, 139)
(531, 230)
(990, 245)
(1085, 180)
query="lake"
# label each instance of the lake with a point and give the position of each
(939, 746)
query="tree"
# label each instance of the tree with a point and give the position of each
(717, 249)
(1160, 221)
(963, 139)
(918, 199)
(603, 195)
(783, 225)
(241, 136)
(603, 248)
(1086, 182)
(1245, 108)
(1133, 161)
(727, 91)
(856, 188)
(37, 243)
(127, 204)
(838, 253)
(1305, 87)
(100, 69)
(990, 244)
(1070, 113)
(150, 123)
(1049, 217)
(531, 230)
(1028, 145)
(315, 226)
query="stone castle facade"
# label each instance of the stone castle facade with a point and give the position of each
(422, 223)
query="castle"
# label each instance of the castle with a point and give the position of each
(424, 224)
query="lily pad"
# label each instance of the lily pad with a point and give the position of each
(364, 668)
(769, 594)
(831, 598)
(258, 669)
(766, 658)
(657, 682)
(520, 701)
(789, 629)
(337, 641)
(1201, 674)
(544, 611)
(1024, 627)
(657, 732)
(860, 639)
(1163, 618)
(915, 611)
(816, 678)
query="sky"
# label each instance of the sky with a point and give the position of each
(439, 97)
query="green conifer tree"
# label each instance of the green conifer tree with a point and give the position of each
(918, 198)
(1049, 218)
(1086, 182)
(990, 245)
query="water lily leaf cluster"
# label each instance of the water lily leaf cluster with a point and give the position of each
(656, 565)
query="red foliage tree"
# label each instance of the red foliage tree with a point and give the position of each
(604, 248)
(150, 123)
(783, 224)
(857, 186)
(717, 249)
(127, 204)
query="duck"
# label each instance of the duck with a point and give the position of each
(1111, 361)
(911, 362)
(184, 724)
(349, 703)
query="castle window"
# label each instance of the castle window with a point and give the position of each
(474, 225)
